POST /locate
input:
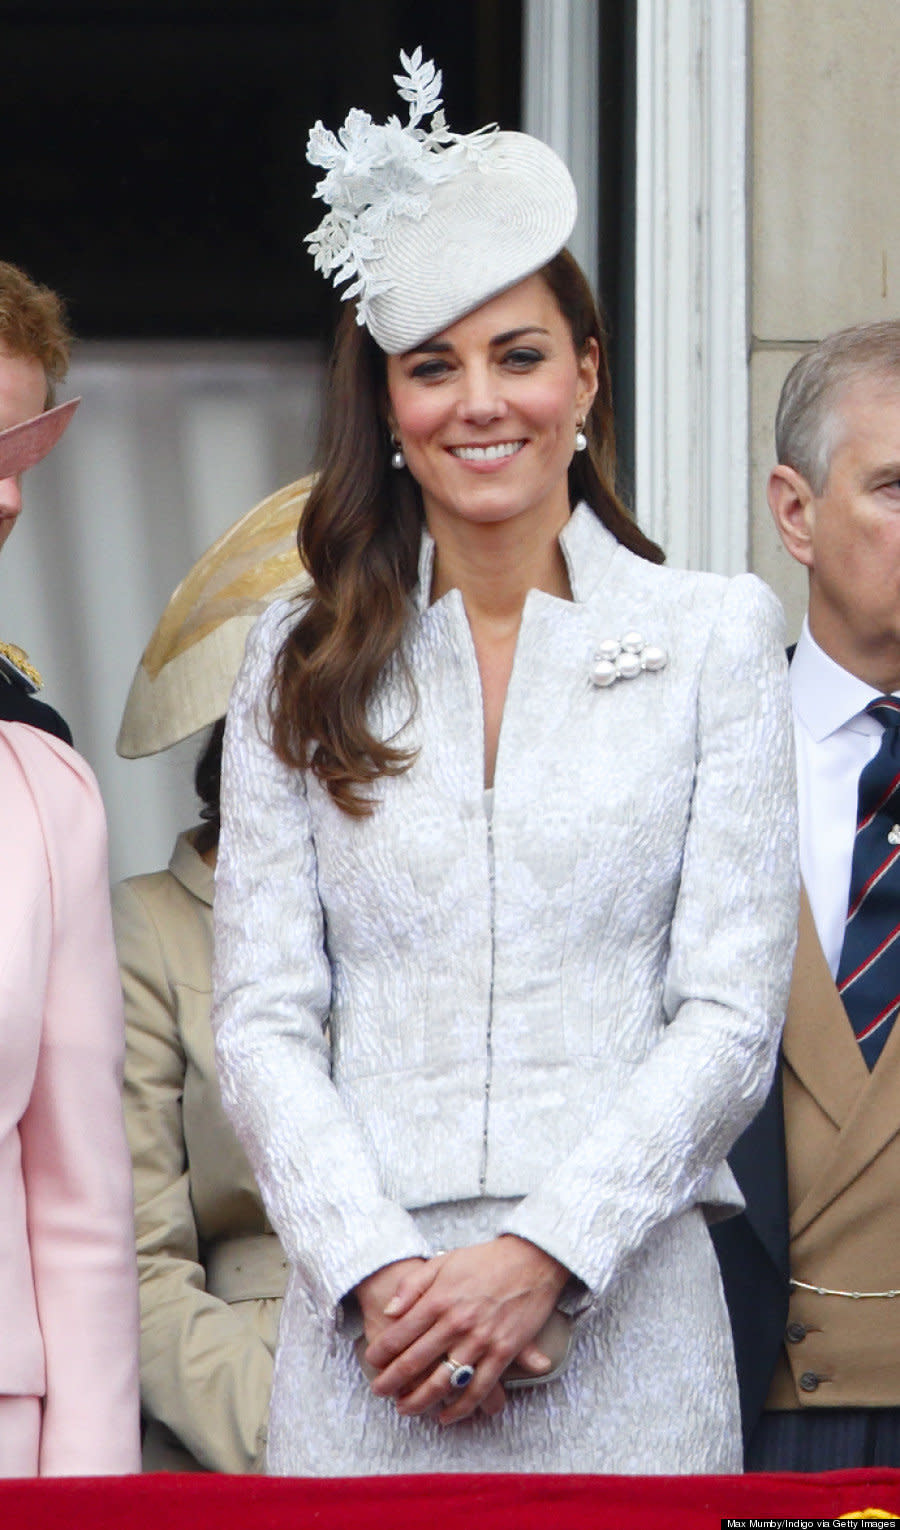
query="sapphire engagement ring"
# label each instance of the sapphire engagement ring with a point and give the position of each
(460, 1375)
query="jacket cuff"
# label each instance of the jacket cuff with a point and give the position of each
(396, 1237)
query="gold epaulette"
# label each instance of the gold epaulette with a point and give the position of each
(16, 667)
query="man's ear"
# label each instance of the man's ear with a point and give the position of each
(791, 501)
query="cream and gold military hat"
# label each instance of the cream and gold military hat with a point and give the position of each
(185, 675)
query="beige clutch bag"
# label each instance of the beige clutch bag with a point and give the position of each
(555, 1339)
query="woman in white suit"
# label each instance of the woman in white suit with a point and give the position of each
(506, 888)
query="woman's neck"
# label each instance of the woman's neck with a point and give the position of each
(495, 564)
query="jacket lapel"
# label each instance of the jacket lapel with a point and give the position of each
(819, 1045)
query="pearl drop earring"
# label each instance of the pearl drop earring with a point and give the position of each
(580, 437)
(397, 458)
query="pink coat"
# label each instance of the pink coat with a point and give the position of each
(68, 1287)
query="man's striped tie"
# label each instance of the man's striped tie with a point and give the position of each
(868, 975)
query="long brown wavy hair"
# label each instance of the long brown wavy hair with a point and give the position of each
(359, 539)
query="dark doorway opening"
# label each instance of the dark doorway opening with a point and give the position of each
(160, 173)
(159, 177)
(617, 87)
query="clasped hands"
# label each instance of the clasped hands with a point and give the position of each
(482, 1305)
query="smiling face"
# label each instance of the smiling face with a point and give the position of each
(486, 411)
(849, 535)
(23, 390)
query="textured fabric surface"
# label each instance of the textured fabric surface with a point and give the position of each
(595, 1415)
(561, 1025)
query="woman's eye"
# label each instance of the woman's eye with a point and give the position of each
(523, 357)
(433, 367)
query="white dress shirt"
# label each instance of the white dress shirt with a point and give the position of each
(835, 739)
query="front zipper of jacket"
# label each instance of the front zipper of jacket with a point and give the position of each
(489, 1056)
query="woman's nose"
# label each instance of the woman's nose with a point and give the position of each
(481, 399)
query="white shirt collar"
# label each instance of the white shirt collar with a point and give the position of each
(825, 695)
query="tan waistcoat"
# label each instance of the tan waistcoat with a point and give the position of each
(842, 1127)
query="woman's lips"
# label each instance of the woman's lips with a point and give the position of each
(495, 451)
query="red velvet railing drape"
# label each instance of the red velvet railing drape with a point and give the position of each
(438, 1503)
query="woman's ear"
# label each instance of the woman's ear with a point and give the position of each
(588, 364)
(792, 503)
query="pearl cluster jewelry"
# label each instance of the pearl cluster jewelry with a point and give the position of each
(625, 659)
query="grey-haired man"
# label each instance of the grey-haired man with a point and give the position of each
(812, 1271)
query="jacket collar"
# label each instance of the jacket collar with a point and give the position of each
(190, 869)
(587, 547)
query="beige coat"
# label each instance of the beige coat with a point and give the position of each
(843, 1151)
(211, 1270)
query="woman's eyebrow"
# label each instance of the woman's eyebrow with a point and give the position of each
(516, 334)
(435, 347)
(429, 347)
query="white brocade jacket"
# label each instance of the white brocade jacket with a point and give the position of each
(576, 1005)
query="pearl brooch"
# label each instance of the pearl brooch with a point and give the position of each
(604, 672)
(625, 658)
(628, 665)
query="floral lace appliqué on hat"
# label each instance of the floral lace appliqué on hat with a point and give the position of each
(377, 172)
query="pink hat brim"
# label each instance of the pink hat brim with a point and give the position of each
(22, 445)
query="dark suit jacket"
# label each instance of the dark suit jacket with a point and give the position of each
(753, 1255)
(16, 705)
(753, 1251)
